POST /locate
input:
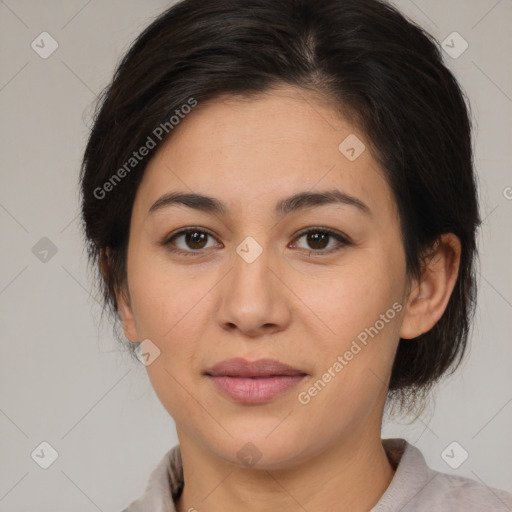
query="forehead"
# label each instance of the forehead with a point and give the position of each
(255, 151)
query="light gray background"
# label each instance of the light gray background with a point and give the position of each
(63, 380)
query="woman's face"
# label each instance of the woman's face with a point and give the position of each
(253, 284)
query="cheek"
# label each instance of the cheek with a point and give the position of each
(168, 306)
(352, 297)
(354, 368)
(361, 306)
(164, 296)
(168, 310)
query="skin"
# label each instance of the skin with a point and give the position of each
(300, 303)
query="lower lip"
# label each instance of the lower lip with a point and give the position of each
(255, 390)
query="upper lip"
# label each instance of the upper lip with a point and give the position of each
(240, 367)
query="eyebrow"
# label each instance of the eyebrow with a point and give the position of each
(297, 202)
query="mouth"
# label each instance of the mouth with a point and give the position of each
(253, 382)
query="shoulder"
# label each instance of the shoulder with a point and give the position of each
(163, 487)
(416, 487)
(460, 493)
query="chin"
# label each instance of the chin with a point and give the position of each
(255, 448)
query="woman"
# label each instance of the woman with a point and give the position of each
(281, 200)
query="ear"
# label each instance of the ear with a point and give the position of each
(429, 295)
(123, 301)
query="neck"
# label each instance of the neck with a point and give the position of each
(351, 475)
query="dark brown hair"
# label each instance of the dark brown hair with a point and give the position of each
(381, 70)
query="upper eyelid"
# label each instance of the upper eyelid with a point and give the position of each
(184, 231)
(329, 231)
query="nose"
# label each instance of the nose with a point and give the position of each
(254, 298)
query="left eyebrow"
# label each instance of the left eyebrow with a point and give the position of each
(300, 201)
(305, 200)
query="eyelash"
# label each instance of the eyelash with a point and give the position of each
(343, 241)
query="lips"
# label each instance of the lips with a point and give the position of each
(240, 367)
(253, 382)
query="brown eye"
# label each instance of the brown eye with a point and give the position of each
(188, 241)
(195, 239)
(318, 240)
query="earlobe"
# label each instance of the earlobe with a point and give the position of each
(123, 300)
(126, 315)
(430, 293)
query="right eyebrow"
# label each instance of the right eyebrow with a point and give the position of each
(196, 201)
